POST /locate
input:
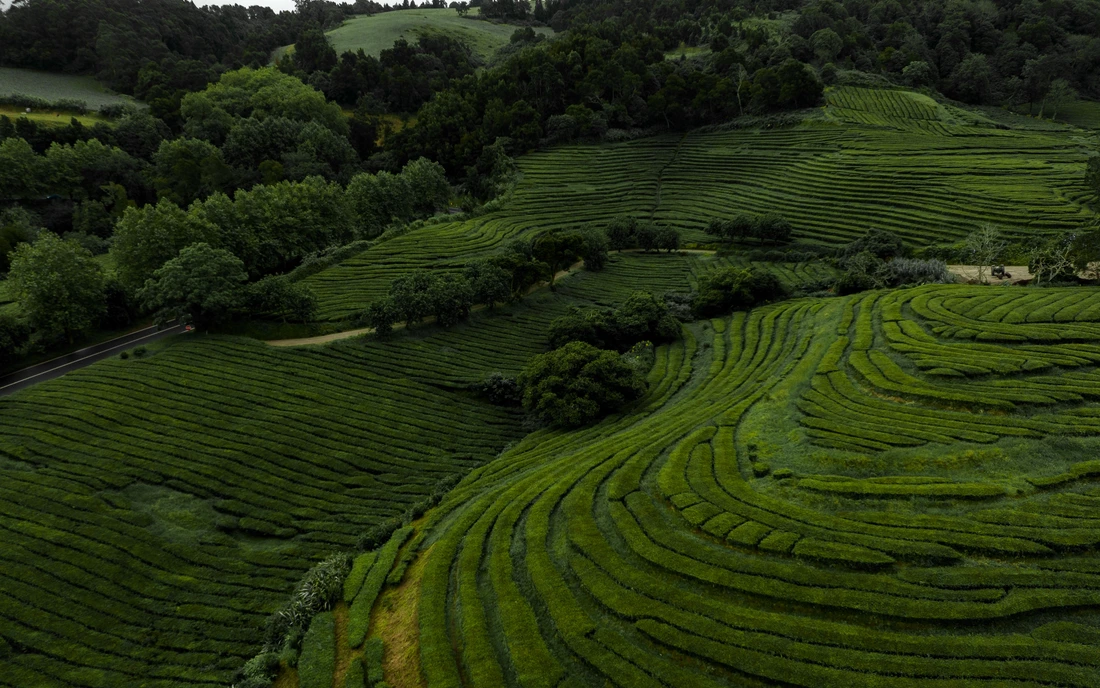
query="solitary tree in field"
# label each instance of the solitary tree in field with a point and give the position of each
(1060, 94)
(984, 246)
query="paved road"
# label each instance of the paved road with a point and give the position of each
(78, 359)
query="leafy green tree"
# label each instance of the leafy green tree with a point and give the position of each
(22, 172)
(381, 317)
(642, 317)
(202, 285)
(82, 169)
(410, 297)
(17, 225)
(259, 93)
(646, 236)
(312, 51)
(146, 238)
(880, 243)
(1058, 95)
(971, 81)
(791, 85)
(667, 238)
(450, 298)
(525, 270)
(577, 384)
(59, 285)
(772, 229)
(827, 44)
(594, 250)
(140, 134)
(428, 186)
(491, 284)
(621, 233)
(377, 200)
(253, 140)
(1085, 251)
(187, 170)
(558, 249)
(321, 152)
(731, 289)
(98, 217)
(918, 73)
(272, 227)
(14, 336)
(277, 296)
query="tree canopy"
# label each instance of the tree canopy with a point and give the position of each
(578, 384)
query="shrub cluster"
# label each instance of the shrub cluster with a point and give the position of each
(770, 228)
(500, 390)
(642, 317)
(877, 260)
(625, 232)
(320, 589)
(578, 383)
(732, 289)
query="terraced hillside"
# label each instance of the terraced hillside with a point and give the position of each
(156, 510)
(888, 159)
(889, 490)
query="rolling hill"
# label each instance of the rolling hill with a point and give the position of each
(894, 160)
(375, 33)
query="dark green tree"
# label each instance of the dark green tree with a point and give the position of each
(59, 285)
(577, 384)
(558, 249)
(202, 285)
(147, 238)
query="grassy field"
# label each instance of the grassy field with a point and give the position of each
(889, 159)
(51, 86)
(375, 33)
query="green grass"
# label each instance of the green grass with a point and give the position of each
(893, 160)
(645, 550)
(375, 33)
(52, 86)
(51, 118)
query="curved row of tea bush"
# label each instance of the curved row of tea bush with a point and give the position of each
(655, 549)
